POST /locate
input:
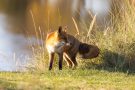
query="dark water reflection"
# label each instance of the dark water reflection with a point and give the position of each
(22, 18)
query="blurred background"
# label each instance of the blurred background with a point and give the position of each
(20, 20)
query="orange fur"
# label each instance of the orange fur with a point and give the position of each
(56, 42)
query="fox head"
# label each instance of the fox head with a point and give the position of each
(61, 34)
(57, 41)
(63, 38)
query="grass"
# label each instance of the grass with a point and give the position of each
(67, 80)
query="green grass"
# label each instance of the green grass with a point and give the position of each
(78, 79)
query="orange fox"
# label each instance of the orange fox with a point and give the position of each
(56, 42)
(68, 46)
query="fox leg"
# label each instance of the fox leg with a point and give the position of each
(74, 61)
(60, 60)
(51, 58)
(72, 58)
(69, 62)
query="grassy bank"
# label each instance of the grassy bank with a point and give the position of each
(67, 80)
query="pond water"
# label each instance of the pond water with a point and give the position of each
(21, 21)
(14, 48)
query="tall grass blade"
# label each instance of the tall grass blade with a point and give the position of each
(77, 29)
(91, 25)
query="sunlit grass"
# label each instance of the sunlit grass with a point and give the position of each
(67, 79)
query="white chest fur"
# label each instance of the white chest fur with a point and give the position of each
(57, 47)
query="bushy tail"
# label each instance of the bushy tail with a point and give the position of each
(88, 51)
(83, 48)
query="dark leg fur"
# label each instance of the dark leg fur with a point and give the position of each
(74, 62)
(60, 61)
(51, 58)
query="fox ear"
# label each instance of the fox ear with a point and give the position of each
(60, 29)
(65, 28)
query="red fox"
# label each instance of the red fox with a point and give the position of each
(68, 46)
(56, 42)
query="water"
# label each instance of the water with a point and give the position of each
(14, 48)
(22, 18)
